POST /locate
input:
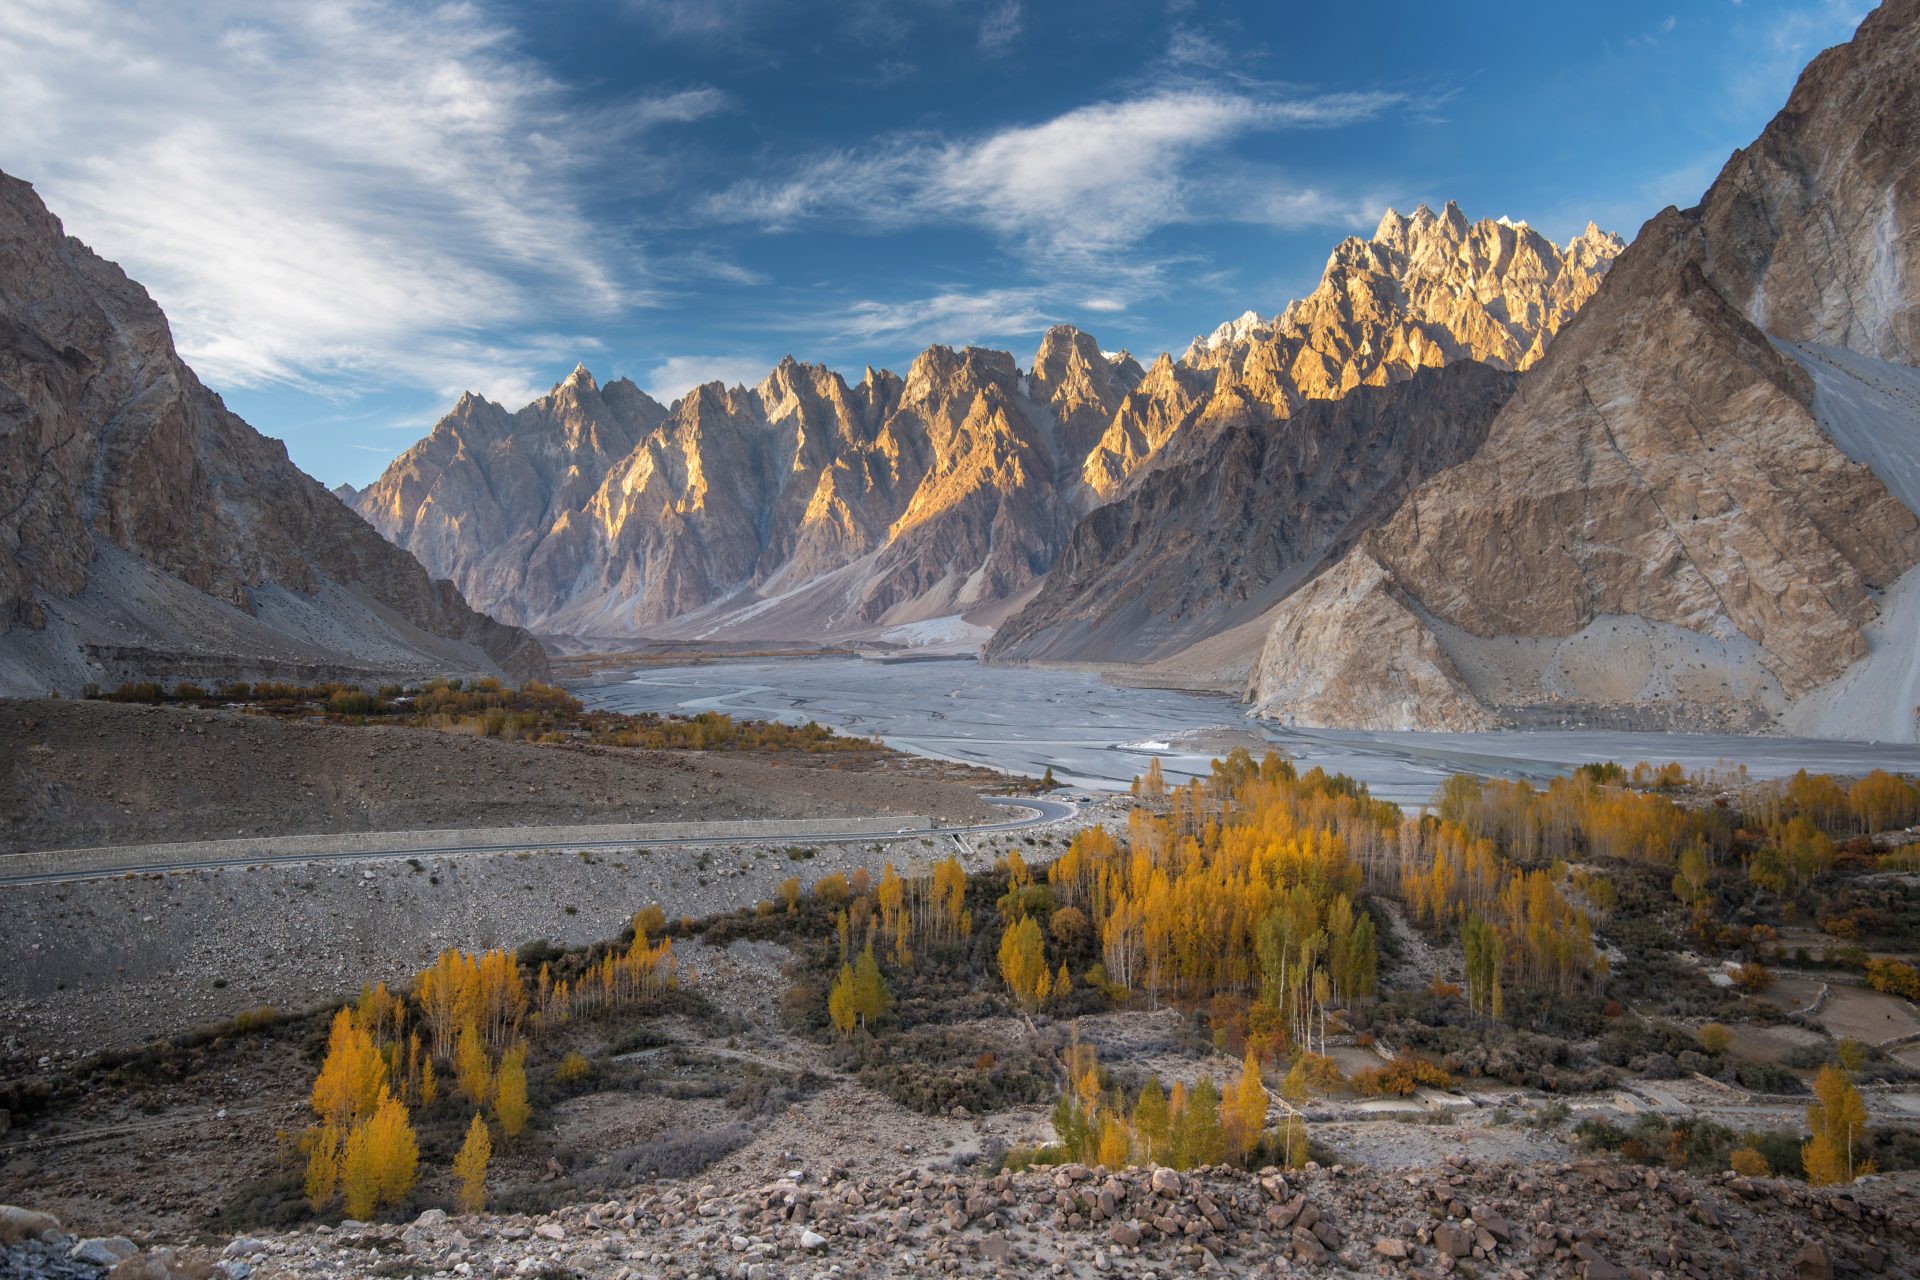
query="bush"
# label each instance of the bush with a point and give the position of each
(1714, 1038)
(1895, 977)
(1753, 977)
(1749, 1163)
(1399, 1078)
(352, 702)
(572, 1069)
(1069, 928)
(831, 891)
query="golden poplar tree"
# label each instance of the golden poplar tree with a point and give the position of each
(323, 1165)
(510, 1092)
(840, 1001)
(470, 1166)
(1023, 962)
(472, 1072)
(1838, 1119)
(1244, 1112)
(352, 1075)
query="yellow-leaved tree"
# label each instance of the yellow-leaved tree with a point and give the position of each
(351, 1077)
(1244, 1114)
(1838, 1119)
(472, 1072)
(1023, 962)
(510, 1092)
(470, 1166)
(381, 1161)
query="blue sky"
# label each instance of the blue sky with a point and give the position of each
(354, 211)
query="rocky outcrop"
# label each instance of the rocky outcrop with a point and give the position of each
(1657, 526)
(802, 504)
(807, 507)
(1428, 289)
(1243, 516)
(146, 531)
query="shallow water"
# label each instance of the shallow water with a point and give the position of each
(1096, 735)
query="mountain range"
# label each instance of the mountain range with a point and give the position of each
(1473, 479)
(934, 505)
(1699, 509)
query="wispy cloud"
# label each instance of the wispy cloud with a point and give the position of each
(1000, 26)
(677, 375)
(329, 192)
(1072, 190)
(954, 317)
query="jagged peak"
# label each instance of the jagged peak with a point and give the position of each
(580, 377)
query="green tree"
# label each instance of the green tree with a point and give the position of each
(1151, 1121)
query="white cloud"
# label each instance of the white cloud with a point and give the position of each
(326, 193)
(1075, 189)
(1000, 26)
(677, 375)
(955, 318)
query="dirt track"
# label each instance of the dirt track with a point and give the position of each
(93, 773)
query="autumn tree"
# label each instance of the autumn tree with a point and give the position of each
(352, 1076)
(510, 1092)
(1838, 1119)
(840, 1001)
(869, 988)
(470, 1166)
(1294, 1090)
(322, 1144)
(1023, 962)
(1244, 1111)
(380, 1161)
(473, 1073)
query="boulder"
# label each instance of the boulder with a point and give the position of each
(103, 1251)
(17, 1224)
(1813, 1262)
(159, 1264)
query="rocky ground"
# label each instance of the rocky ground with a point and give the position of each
(1593, 1219)
(91, 773)
(114, 961)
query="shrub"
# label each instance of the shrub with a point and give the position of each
(352, 702)
(1749, 1163)
(1069, 927)
(831, 891)
(1895, 977)
(1399, 1078)
(1753, 977)
(1714, 1038)
(572, 1069)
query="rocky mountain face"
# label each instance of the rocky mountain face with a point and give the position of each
(808, 507)
(147, 532)
(1691, 513)
(1216, 534)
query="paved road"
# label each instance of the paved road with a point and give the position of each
(1039, 812)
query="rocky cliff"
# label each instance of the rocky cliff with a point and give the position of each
(147, 532)
(1212, 538)
(930, 506)
(1673, 522)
